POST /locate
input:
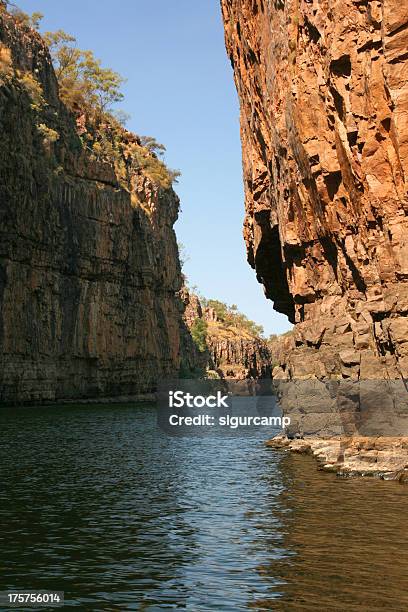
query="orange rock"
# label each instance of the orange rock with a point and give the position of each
(323, 90)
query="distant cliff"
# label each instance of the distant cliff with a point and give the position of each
(230, 348)
(89, 269)
(323, 88)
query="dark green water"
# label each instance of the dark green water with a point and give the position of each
(99, 503)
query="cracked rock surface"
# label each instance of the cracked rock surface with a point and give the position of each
(323, 89)
(88, 278)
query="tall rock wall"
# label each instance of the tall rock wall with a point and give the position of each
(88, 271)
(231, 352)
(323, 88)
(240, 358)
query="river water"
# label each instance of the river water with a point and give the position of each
(98, 502)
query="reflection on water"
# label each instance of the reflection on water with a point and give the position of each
(347, 540)
(99, 503)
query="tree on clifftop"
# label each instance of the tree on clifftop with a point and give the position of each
(31, 21)
(83, 82)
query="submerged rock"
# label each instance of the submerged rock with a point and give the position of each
(380, 457)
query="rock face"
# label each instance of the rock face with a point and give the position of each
(323, 88)
(88, 275)
(194, 362)
(231, 353)
(239, 358)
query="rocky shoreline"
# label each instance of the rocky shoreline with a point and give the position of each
(379, 457)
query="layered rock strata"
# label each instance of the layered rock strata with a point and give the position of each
(239, 358)
(89, 271)
(323, 89)
(230, 353)
(194, 362)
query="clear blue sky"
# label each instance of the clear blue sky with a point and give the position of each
(180, 90)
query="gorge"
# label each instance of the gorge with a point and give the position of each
(90, 256)
(145, 421)
(232, 347)
(92, 303)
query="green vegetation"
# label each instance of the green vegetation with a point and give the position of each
(84, 83)
(48, 134)
(157, 170)
(152, 145)
(91, 92)
(88, 88)
(6, 64)
(199, 334)
(30, 21)
(22, 18)
(231, 317)
(34, 90)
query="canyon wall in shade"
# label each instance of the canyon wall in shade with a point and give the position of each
(89, 271)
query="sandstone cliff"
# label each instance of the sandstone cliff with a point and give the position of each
(231, 351)
(89, 270)
(323, 88)
(237, 355)
(194, 362)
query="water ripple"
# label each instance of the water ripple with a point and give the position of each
(99, 503)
